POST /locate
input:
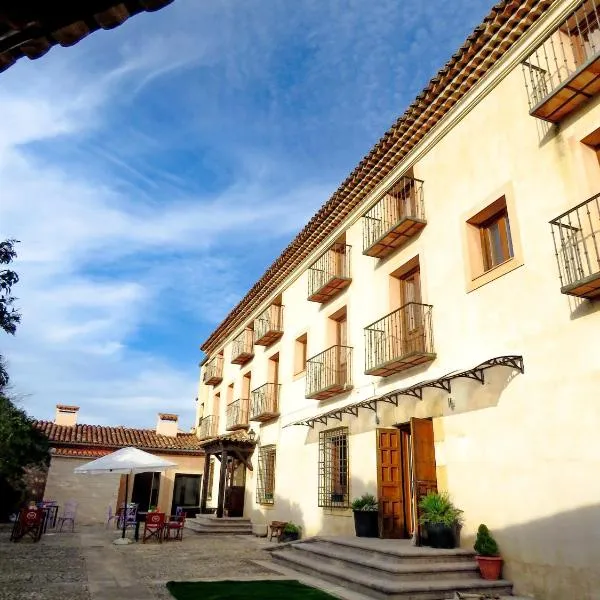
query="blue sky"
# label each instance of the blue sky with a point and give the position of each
(154, 171)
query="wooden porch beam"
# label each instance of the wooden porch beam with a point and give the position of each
(205, 478)
(243, 459)
(221, 498)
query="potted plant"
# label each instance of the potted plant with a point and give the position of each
(366, 516)
(291, 532)
(488, 556)
(441, 520)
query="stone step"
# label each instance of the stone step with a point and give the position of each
(394, 568)
(384, 588)
(392, 550)
(223, 522)
(198, 527)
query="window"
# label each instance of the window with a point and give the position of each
(265, 483)
(211, 478)
(333, 468)
(300, 354)
(494, 234)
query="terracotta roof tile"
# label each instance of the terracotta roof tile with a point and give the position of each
(30, 28)
(506, 21)
(118, 437)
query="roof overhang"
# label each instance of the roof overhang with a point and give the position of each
(444, 382)
(30, 28)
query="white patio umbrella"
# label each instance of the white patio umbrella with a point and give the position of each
(126, 461)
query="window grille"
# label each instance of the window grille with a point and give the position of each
(265, 484)
(333, 468)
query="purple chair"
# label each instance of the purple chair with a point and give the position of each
(130, 515)
(68, 515)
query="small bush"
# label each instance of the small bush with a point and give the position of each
(438, 508)
(365, 502)
(485, 544)
(291, 528)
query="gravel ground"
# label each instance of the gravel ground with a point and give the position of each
(85, 565)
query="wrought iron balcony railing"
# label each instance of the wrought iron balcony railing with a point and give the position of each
(399, 341)
(576, 235)
(397, 217)
(329, 373)
(208, 427)
(237, 414)
(213, 371)
(564, 71)
(242, 348)
(329, 274)
(264, 404)
(268, 326)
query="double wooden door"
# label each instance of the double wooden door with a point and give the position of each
(405, 473)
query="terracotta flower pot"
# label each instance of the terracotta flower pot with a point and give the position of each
(490, 566)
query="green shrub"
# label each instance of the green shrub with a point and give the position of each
(485, 544)
(365, 502)
(438, 508)
(291, 528)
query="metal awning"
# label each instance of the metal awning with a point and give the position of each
(444, 382)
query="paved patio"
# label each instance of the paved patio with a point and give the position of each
(85, 565)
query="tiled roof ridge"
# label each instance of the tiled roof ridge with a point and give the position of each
(506, 21)
(115, 436)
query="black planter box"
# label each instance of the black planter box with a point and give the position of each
(440, 535)
(289, 537)
(366, 523)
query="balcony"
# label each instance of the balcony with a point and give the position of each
(237, 415)
(401, 340)
(208, 427)
(213, 371)
(329, 373)
(265, 402)
(576, 235)
(397, 217)
(329, 274)
(564, 71)
(268, 326)
(242, 348)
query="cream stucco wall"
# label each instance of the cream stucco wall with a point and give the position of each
(520, 452)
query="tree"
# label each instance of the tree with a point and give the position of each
(9, 315)
(22, 446)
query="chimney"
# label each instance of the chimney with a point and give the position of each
(167, 424)
(66, 415)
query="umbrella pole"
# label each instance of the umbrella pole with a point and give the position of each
(125, 509)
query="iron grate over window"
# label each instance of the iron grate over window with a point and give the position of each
(333, 468)
(265, 483)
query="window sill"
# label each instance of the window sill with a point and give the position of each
(494, 273)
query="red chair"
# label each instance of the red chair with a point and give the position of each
(174, 527)
(153, 526)
(30, 522)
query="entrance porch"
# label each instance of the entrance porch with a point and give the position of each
(234, 452)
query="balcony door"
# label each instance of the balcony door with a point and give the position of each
(341, 340)
(413, 338)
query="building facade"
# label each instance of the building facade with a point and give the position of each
(435, 325)
(73, 444)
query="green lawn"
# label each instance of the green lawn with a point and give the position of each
(244, 590)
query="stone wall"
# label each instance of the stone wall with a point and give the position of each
(93, 493)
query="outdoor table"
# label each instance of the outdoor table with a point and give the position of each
(140, 518)
(50, 516)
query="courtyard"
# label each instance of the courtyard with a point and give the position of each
(85, 565)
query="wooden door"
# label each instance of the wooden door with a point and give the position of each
(413, 338)
(342, 341)
(424, 479)
(389, 484)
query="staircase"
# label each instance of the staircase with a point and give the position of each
(389, 569)
(224, 526)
